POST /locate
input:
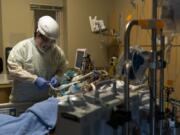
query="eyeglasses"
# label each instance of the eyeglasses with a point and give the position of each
(45, 39)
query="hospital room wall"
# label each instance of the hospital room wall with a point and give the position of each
(143, 10)
(17, 21)
(79, 32)
(124, 11)
(1, 46)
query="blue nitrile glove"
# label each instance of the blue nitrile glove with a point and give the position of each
(41, 83)
(54, 82)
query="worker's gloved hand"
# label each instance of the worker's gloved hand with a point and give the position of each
(54, 82)
(41, 83)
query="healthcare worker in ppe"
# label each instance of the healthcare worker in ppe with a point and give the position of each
(36, 62)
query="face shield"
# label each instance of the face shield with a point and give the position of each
(43, 43)
(47, 33)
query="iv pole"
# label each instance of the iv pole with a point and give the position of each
(153, 74)
(154, 25)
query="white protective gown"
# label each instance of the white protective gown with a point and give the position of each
(26, 63)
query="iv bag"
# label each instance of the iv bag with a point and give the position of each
(140, 62)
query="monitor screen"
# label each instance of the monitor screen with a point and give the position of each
(79, 57)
